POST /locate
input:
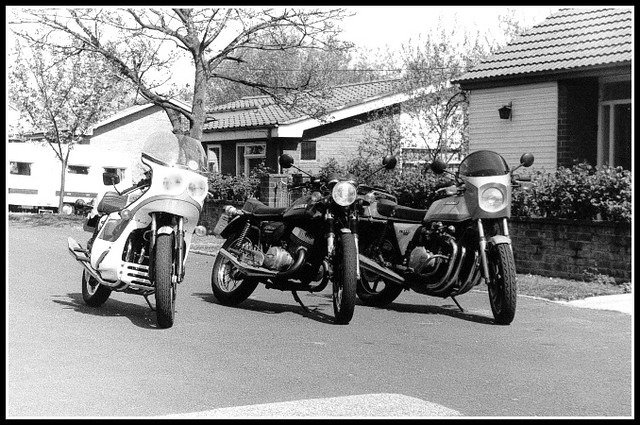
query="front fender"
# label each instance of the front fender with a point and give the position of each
(233, 226)
(499, 239)
(165, 230)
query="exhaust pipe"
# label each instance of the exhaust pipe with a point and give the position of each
(80, 255)
(383, 272)
(253, 271)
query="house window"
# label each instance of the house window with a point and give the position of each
(20, 168)
(78, 169)
(115, 170)
(249, 156)
(214, 153)
(614, 116)
(308, 151)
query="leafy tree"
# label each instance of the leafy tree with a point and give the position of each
(62, 96)
(142, 43)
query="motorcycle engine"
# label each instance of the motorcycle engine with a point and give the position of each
(422, 261)
(279, 258)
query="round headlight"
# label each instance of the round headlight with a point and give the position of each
(492, 199)
(344, 193)
(197, 189)
(173, 183)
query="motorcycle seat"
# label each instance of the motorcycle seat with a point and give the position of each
(258, 209)
(394, 211)
(112, 202)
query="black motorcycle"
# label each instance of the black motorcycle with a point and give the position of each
(296, 248)
(446, 250)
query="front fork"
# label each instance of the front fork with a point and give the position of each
(483, 245)
(331, 236)
(178, 240)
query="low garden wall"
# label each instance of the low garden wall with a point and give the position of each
(572, 249)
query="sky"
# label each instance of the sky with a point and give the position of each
(379, 26)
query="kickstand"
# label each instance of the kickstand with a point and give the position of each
(297, 298)
(456, 301)
(146, 297)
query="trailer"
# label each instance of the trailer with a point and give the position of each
(34, 173)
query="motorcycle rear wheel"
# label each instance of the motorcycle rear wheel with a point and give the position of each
(227, 284)
(93, 293)
(345, 278)
(502, 285)
(166, 288)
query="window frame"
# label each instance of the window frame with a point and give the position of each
(88, 167)
(28, 164)
(315, 151)
(602, 156)
(246, 158)
(219, 157)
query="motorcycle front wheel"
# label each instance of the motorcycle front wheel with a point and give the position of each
(229, 286)
(345, 278)
(93, 293)
(502, 284)
(166, 288)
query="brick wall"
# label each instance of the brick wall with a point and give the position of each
(273, 190)
(567, 248)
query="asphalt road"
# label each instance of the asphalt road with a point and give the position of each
(418, 357)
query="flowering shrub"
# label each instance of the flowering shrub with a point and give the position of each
(581, 192)
(236, 188)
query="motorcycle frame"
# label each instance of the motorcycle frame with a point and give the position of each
(157, 209)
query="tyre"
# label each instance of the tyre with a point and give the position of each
(93, 293)
(68, 209)
(166, 287)
(374, 291)
(502, 285)
(229, 286)
(345, 278)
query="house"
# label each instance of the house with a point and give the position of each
(114, 144)
(561, 91)
(253, 130)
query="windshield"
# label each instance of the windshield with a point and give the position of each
(176, 150)
(483, 163)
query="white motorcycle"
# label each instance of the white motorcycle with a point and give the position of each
(142, 238)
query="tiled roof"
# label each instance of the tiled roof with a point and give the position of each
(568, 39)
(262, 111)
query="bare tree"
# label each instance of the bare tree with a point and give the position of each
(142, 43)
(62, 96)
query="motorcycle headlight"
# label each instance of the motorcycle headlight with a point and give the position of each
(173, 183)
(344, 193)
(492, 199)
(197, 189)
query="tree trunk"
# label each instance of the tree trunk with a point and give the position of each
(63, 176)
(199, 101)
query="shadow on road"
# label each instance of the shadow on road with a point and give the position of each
(273, 308)
(141, 316)
(446, 310)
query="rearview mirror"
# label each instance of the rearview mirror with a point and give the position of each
(389, 162)
(285, 160)
(110, 179)
(438, 166)
(526, 159)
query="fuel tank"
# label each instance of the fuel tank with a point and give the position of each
(452, 208)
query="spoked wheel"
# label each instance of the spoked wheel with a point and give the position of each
(502, 285)
(374, 291)
(166, 285)
(93, 293)
(345, 278)
(229, 286)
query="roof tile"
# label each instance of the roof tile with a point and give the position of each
(259, 111)
(566, 40)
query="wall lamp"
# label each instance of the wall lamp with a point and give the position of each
(505, 112)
